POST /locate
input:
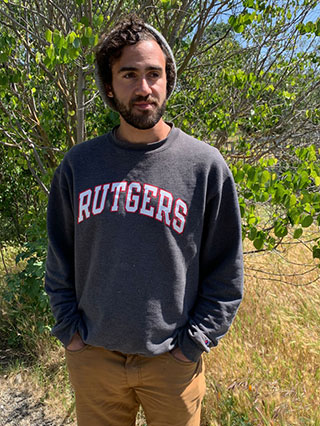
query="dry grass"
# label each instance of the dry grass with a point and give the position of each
(266, 371)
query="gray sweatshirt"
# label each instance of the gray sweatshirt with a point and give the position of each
(145, 248)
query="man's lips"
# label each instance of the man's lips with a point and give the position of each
(144, 105)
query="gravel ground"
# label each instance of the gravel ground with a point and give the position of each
(19, 407)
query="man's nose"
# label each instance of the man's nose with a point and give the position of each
(143, 87)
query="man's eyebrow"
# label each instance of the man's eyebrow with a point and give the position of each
(150, 68)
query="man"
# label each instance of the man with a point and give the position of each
(144, 268)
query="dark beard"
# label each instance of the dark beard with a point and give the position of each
(143, 120)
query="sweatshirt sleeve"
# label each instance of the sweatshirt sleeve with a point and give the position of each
(59, 279)
(221, 269)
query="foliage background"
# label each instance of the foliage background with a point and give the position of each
(248, 84)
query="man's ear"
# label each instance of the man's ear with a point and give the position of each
(109, 92)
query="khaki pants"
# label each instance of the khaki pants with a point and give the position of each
(109, 387)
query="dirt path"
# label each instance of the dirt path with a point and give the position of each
(19, 407)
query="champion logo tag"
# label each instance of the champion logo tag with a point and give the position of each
(207, 343)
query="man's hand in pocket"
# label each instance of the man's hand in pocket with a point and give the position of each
(177, 353)
(76, 343)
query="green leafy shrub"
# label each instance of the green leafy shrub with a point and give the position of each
(27, 318)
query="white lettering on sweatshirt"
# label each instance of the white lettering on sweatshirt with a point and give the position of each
(145, 199)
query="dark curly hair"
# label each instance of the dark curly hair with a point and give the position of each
(128, 32)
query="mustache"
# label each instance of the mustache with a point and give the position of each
(147, 98)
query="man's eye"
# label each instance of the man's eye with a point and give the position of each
(154, 74)
(129, 75)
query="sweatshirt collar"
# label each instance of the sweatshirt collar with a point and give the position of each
(144, 146)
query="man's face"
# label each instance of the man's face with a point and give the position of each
(139, 84)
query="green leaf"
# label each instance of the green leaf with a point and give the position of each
(243, 209)
(73, 53)
(252, 233)
(293, 200)
(248, 3)
(16, 77)
(297, 233)
(58, 40)
(252, 220)
(238, 28)
(88, 32)
(316, 252)
(239, 176)
(309, 27)
(93, 40)
(280, 193)
(76, 43)
(280, 230)
(50, 52)
(265, 176)
(258, 243)
(301, 28)
(307, 221)
(49, 36)
(286, 94)
(252, 174)
(84, 41)
(47, 61)
(85, 21)
(263, 196)
(247, 19)
(3, 57)
(65, 55)
(270, 87)
(90, 58)
(166, 4)
(71, 37)
(38, 57)
(232, 20)
(4, 80)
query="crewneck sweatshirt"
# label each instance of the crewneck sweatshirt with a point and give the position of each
(145, 248)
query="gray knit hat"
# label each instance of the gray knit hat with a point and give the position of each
(102, 62)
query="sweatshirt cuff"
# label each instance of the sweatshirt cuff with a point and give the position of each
(65, 332)
(189, 347)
